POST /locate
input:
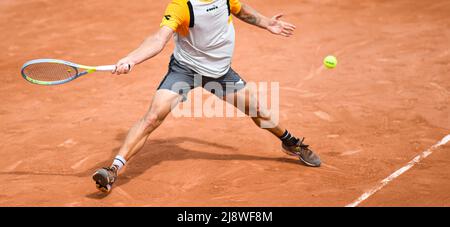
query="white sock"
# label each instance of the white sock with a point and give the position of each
(119, 162)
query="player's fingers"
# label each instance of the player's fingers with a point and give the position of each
(287, 31)
(286, 34)
(288, 28)
(127, 67)
(119, 67)
(115, 69)
(124, 68)
(283, 34)
(119, 70)
(291, 26)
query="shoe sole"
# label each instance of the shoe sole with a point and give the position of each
(307, 163)
(101, 181)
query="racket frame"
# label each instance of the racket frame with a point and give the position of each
(88, 69)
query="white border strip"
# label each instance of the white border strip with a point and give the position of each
(399, 172)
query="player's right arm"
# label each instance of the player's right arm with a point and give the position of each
(151, 47)
(176, 19)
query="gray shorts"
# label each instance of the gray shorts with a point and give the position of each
(181, 79)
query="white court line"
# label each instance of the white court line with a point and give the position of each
(399, 172)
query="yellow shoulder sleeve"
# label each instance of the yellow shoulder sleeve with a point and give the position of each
(235, 6)
(177, 17)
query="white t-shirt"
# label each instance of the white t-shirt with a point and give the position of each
(204, 35)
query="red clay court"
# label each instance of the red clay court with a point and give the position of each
(385, 104)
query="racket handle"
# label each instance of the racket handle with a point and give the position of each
(108, 68)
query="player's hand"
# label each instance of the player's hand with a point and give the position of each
(124, 66)
(278, 27)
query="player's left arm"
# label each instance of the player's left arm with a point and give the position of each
(274, 24)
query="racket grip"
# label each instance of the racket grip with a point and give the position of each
(108, 68)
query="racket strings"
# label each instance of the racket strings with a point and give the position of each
(50, 72)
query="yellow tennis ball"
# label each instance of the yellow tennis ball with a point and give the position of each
(330, 62)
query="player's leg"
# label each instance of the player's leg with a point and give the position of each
(172, 90)
(262, 117)
(161, 106)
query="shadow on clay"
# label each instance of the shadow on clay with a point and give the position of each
(156, 152)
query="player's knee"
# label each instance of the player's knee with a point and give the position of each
(262, 115)
(256, 111)
(152, 120)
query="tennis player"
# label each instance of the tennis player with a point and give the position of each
(205, 38)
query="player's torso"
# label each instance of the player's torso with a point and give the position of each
(211, 25)
(209, 44)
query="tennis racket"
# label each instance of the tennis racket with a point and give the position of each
(56, 72)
